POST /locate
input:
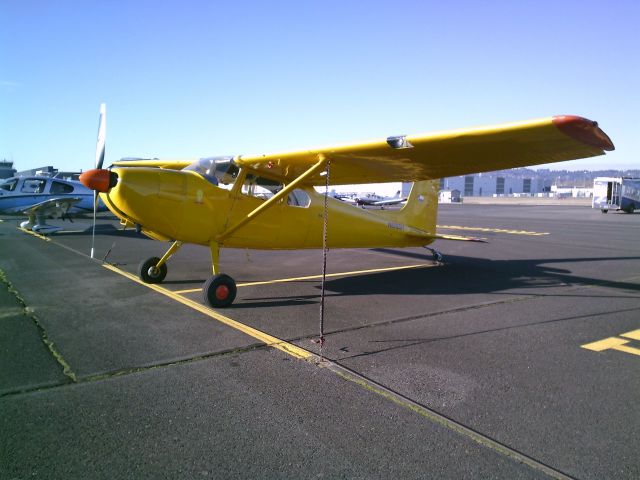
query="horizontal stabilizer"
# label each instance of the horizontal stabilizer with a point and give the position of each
(458, 238)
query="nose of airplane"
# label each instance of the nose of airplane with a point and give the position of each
(99, 179)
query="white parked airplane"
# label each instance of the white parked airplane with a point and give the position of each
(44, 197)
(378, 200)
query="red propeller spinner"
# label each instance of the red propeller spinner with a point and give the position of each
(99, 179)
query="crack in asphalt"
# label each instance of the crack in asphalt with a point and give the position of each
(29, 313)
(133, 370)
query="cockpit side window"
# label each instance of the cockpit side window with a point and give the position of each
(220, 171)
(9, 184)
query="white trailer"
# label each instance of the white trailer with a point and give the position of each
(611, 193)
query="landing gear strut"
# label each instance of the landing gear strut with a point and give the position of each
(220, 290)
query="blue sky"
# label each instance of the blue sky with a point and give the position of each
(187, 79)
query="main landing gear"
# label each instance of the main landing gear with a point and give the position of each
(217, 292)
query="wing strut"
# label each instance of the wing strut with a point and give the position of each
(273, 200)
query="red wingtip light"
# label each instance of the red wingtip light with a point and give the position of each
(99, 179)
(583, 130)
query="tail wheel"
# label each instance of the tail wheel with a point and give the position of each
(219, 291)
(148, 272)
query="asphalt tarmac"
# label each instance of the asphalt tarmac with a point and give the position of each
(515, 358)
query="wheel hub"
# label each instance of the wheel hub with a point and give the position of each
(222, 292)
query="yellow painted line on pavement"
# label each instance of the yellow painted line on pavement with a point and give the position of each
(635, 334)
(627, 349)
(606, 344)
(269, 340)
(315, 277)
(615, 343)
(41, 237)
(493, 230)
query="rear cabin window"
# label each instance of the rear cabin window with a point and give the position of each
(59, 187)
(299, 198)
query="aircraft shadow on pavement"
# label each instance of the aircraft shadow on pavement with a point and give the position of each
(401, 343)
(108, 230)
(275, 302)
(463, 275)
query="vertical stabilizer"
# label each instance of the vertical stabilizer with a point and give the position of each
(421, 209)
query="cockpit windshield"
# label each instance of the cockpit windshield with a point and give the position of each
(9, 184)
(221, 171)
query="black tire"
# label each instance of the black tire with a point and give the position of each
(604, 210)
(149, 274)
(631, 208)
(219, 291)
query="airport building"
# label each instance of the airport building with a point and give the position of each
(495, 184)
(49, 171)
(501, 183)
(491, 184)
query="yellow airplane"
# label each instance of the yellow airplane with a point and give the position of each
(269, 201)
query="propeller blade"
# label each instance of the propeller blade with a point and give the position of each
(100, 147)
(102, 134)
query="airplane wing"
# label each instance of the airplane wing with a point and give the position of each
(52, 206)
(167, 164)
(443, 154)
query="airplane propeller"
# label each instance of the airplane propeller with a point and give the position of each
(100, 148)
(99, 179)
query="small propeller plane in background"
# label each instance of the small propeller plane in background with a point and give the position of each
(41, 197)
(379, 200)
(269, 201)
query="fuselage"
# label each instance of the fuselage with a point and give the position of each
(186, 206)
